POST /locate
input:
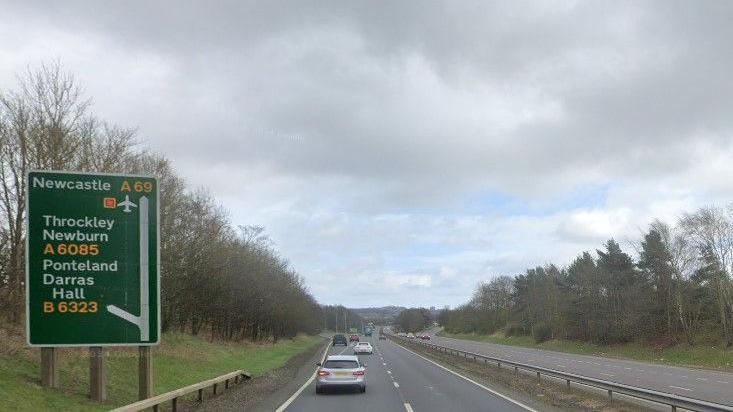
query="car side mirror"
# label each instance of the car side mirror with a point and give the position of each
(318, 363)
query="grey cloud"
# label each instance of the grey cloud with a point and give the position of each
(360, 110)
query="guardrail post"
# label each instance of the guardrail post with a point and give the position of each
(674, 408)
(174, 404)
(568, 383)
(214, 389)
(226, 384)
(201, 395)
(498, 365)
(610, 394)
(538, 377)
(516, 370)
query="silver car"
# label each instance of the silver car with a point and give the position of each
(341, 371)
(363, 347)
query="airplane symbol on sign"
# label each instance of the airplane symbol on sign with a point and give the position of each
(127, 204)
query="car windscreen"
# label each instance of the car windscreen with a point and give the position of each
(364, 344)
(341, 364)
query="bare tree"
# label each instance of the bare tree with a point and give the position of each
(710, 230)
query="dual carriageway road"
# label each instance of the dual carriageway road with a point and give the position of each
(700, 384)
(400, 380)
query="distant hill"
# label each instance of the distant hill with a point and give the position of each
(383, 315)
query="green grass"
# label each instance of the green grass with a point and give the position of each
(181, 360)
(699, 356)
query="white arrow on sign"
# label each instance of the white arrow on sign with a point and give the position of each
(142, 321)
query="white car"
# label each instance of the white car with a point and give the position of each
(341, 371)
(363, 347)
(411, 335)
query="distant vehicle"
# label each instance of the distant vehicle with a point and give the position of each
(382, 337)
(363, 347)
(425, 337)
(339, 339)
(341, 371)
(353, 338)
(402, 334)
(410, 335)
(368, 332)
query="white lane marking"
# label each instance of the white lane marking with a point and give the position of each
(384, 364)
(606, 374)
(679, 387)
(408, 408)
(396, 385)
(521, 405)
(722, 381)
(305, 385)
(701, 379)
(562, 366)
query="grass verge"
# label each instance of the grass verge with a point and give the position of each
(180, 360)
(700, 356)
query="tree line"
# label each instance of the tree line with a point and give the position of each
(341, 319)
(216, 278)
(414, 320)
(678, 288)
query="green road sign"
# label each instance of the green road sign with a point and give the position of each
(92, 275)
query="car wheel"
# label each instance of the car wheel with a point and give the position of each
(319, 390)
(363, 389)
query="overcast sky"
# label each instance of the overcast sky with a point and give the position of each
(401, 152)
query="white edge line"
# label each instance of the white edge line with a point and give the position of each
(470, 380)
(408, 407)
(300, 390)
(680, 387)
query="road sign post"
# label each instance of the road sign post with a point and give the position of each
(49, 368)
(92, 276)
(97, 374)
(145, 373)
